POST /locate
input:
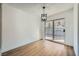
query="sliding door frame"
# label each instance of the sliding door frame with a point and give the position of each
(54, 27)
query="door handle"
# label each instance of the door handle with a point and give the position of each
(63, 30)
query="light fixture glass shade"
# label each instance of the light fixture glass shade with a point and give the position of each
(43, 17)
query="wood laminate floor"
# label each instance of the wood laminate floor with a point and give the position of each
(41, 48)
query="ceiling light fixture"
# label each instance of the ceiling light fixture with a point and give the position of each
(44, 15)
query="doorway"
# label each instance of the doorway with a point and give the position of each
(55, 30)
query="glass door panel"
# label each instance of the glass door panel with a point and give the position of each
(59, 30)
(49, 30)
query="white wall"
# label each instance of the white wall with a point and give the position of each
(0, 27)
(68, 15)
(76, 26)
(78, 30)
(18, 27)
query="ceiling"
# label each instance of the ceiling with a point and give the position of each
(51, 8)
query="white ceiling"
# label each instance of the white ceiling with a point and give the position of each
(51, 8)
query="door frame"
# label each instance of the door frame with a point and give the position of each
(53, 27)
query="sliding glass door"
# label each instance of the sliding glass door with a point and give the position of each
(55, 30)
(49, 30)
(59, 30)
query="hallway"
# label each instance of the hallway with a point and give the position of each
(41, 48)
